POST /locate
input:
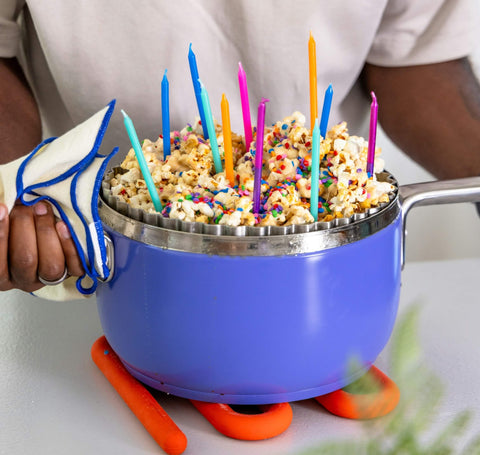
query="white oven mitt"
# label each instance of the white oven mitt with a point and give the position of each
(67, 172)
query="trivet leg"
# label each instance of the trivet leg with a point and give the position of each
(274, 419)
(152, 416)
(363, 405)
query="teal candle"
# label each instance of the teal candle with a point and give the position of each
(132, 134)
(165, 116)
(327, 105)
(315, 171)
(211, 129)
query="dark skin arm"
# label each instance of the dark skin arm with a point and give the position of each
(432, 112)
(17, 103)
(32, 242)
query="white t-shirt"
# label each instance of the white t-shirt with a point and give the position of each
(81, 54)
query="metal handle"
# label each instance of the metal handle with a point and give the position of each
(110, 262)
(435, 193)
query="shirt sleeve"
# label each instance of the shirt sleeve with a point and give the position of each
(414, 32)
(9, 27)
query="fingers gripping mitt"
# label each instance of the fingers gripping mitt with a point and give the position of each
(67, 172)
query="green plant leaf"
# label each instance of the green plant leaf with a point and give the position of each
(473, 447)
(403, 431)
(452, 432)
(405, 347)
(339, 448)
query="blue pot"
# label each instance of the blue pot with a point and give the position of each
(252, 320)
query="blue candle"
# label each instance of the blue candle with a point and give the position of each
(196, 87)
(315, 171)
(132, 134)
(327, 104)
(211, 129)
(165, 116)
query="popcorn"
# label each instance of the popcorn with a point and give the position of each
(191, 191)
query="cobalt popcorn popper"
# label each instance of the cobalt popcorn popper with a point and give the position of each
(259, 316)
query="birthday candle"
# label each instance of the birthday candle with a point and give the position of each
(227, 140)
(247, 123)
(211, 129)
(315, 171)
(372, 135)
(312, 65)
(196, 87)
(165, 116)
(327, 104)
(257, 179)
(132, 134)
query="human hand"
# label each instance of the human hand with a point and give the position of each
(34, 244)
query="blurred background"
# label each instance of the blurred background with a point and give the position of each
(442, 231)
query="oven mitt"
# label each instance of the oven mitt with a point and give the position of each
(67, 172)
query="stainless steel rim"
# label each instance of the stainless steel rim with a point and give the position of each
(250, 245)
(175, 235)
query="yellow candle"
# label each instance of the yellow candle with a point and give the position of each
(312, 64)
(227, 140)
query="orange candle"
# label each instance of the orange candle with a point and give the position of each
(312, 64)
(227, 140)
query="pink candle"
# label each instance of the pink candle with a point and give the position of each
(247, 123)
(257, 181)
(372, 136)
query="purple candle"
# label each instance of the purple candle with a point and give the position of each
(257, 182)
(372, 136)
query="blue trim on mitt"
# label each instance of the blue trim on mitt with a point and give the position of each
(82, 164)
(23, 165)
(76, 172)
(96, 217)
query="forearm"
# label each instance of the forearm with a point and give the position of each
(20, 125)
(432, 113)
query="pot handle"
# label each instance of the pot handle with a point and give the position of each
(110, 262)
(436, 192)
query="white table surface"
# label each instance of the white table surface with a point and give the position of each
(54, 400)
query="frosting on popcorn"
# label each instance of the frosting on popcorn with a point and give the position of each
(190, 190)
